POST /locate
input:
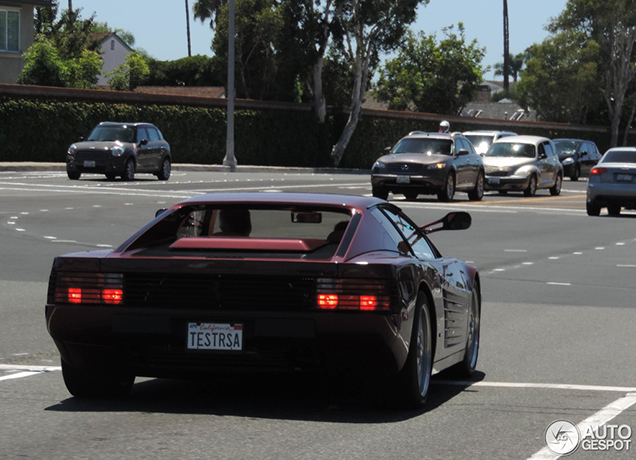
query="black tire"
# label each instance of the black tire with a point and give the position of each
(128, 173)
(592, 209)
(166, 168)
(73, 175)
(477, 193)
(96, 383)
(380, 192)
(467, 366)
(576, 173)
(448, 192)
(414, 379)
(532, 187)
(411, 196)
(555, 190)
(111, 176)
(614, 210)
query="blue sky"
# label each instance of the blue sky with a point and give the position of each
(159, 26)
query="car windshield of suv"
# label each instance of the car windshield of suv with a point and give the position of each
(566, 147)
(480, 139)
(620, 156)
(506, 149)
(424, 145)
(113, 133)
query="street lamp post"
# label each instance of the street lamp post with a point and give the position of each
(230, 159)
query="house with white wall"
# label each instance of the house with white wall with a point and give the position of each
(113, 51)
(16, 35)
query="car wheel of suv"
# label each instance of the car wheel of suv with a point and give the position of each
(96, 383)
(613, 210)
(477, 193)
(592, 209)
(532, 186)
(576, 174)
(556, 188)
(164, 172)
(448, 192)
(380, 192)
(73, 175)
(129, 170)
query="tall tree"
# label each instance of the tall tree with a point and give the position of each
(368, 27)
(506, 53)
(515, 65)
(611, 24)
(431, 76)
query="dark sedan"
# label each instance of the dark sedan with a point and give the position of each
(577, 156)
(120, 149)
(429, 163)
(268, 282)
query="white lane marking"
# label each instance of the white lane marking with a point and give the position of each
(549, 386)
(558, 284)
(626, 266)
(515, 250)
(593, 422)
(29, 367)
(19, 375)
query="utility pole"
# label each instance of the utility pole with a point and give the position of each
(506, 56)
(188, 27)
(229, 159)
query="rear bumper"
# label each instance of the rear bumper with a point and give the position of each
(603, 194)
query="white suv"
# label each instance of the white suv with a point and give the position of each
(482, 139)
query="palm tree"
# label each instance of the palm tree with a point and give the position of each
(188, 27)
(506, 64)
(515, 65)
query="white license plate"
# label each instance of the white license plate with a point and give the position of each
(214, 336)
(494, 180)
(624, 177)
(89, 163)
(403, 180)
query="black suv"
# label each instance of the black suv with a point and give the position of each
(429, 163)
(120, 149)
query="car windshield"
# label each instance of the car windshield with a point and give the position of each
(113, 133)
(479, 139)
(566, 147)
(424, 145)
(508, 149)
(620, 156)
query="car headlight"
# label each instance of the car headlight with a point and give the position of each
(567, 161)
(118, 150)
(378, 166)
(71, 150)
(437, 166)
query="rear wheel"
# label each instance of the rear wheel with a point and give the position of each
(129, 170)
(73, 175)
(96, 383)
(576, 173)
(477, 193)
(380, 192)
(415, 378)
(448, 192)
(592, 209)
(613, 210)
(556, 188)
(532, 186)
(166, 168)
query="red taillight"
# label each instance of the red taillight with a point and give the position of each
(89, 288)
(598, 171)
(327, 301)
(353, 295)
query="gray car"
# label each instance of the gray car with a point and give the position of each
(612, 182)
(523, 163)
(429, 163)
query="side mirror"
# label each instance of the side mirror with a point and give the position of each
(459, 220)
(543, 156)
(143, 142)
(160, 211)
(387, 149)
(81, 139)
(462, 152)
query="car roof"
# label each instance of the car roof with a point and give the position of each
(485, 131)
(571, 139)
(282, 198)
(522, 140)
(124, 123)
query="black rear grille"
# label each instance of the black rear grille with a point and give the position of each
(405, 168)
(219, 292)
(96, 155)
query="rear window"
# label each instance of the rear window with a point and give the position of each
(619, 156)
(218, 231)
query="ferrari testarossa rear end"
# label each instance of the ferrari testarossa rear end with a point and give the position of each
(225, 283)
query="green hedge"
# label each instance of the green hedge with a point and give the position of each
(33, 129)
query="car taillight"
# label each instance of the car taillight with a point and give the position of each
(89, 288)
(598, 171)
(353, 295)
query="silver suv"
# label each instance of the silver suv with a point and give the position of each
(523, 163)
